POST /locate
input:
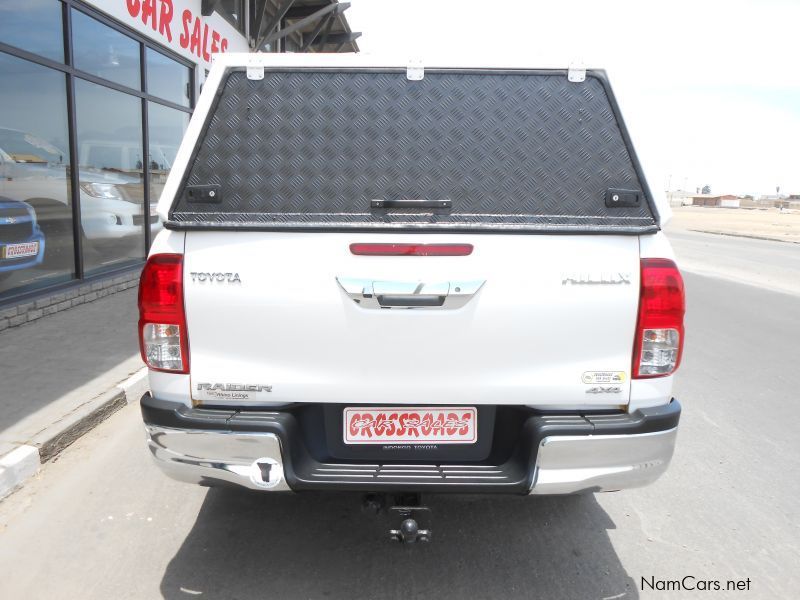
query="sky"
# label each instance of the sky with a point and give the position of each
(710, 90)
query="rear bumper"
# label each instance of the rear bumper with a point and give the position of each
(571, 464)
(555, 454)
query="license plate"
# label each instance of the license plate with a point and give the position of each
(410, 425)
(20, 250)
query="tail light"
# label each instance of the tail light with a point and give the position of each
(659, 330)
(162, 320)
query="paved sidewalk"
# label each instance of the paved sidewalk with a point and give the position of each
(60, 376)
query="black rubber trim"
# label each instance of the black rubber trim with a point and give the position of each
(299, 465)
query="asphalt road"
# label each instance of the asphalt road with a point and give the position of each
(101, 522)
(769, 265)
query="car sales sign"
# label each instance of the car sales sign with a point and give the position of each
(178, 25)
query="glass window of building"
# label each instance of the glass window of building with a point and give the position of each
(33, 25)
(105, 52)
(110, 170)
(36, 245)
(167, 127)
(167, 78)
(232, 11)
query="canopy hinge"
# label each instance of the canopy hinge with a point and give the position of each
(255, 71)
(414, 70)
(576, 72)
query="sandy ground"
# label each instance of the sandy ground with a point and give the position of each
(767, 223)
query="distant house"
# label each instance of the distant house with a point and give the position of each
(725, 201)
(781, 200)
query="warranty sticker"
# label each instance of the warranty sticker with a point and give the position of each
(603, 377)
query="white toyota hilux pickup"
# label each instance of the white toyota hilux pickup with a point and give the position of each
(395, 279)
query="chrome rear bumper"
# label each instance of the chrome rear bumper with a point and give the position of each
(601, 463)
(556, 454)
(251, 460)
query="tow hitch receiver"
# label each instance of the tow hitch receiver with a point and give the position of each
(414, 526)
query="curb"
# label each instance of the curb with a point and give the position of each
(16, 467)
(744, 235)
(23, 462)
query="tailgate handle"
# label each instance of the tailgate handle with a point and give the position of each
(443, 204)
(403, 301)
(369, 293)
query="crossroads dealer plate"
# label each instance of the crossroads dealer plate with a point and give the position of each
(410, 425)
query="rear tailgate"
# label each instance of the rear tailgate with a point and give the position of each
(552, 322)
(288, 163)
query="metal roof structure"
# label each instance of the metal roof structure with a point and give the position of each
(295, 25)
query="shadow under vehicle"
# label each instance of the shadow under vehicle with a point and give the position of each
(313, 545)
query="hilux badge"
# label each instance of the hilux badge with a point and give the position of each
(595, 278)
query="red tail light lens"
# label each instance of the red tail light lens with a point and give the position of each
(162, 321)
(411, 249)
(658, 344)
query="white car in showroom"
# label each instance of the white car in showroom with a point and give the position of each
(35, 171)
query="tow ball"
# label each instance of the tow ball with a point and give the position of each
(415, 517)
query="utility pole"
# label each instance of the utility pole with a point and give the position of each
(669, 189)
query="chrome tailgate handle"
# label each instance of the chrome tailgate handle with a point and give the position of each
(369, 293)
(403, 294)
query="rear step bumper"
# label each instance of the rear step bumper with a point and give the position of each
(555, 454)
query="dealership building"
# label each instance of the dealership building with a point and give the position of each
(94, 98)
